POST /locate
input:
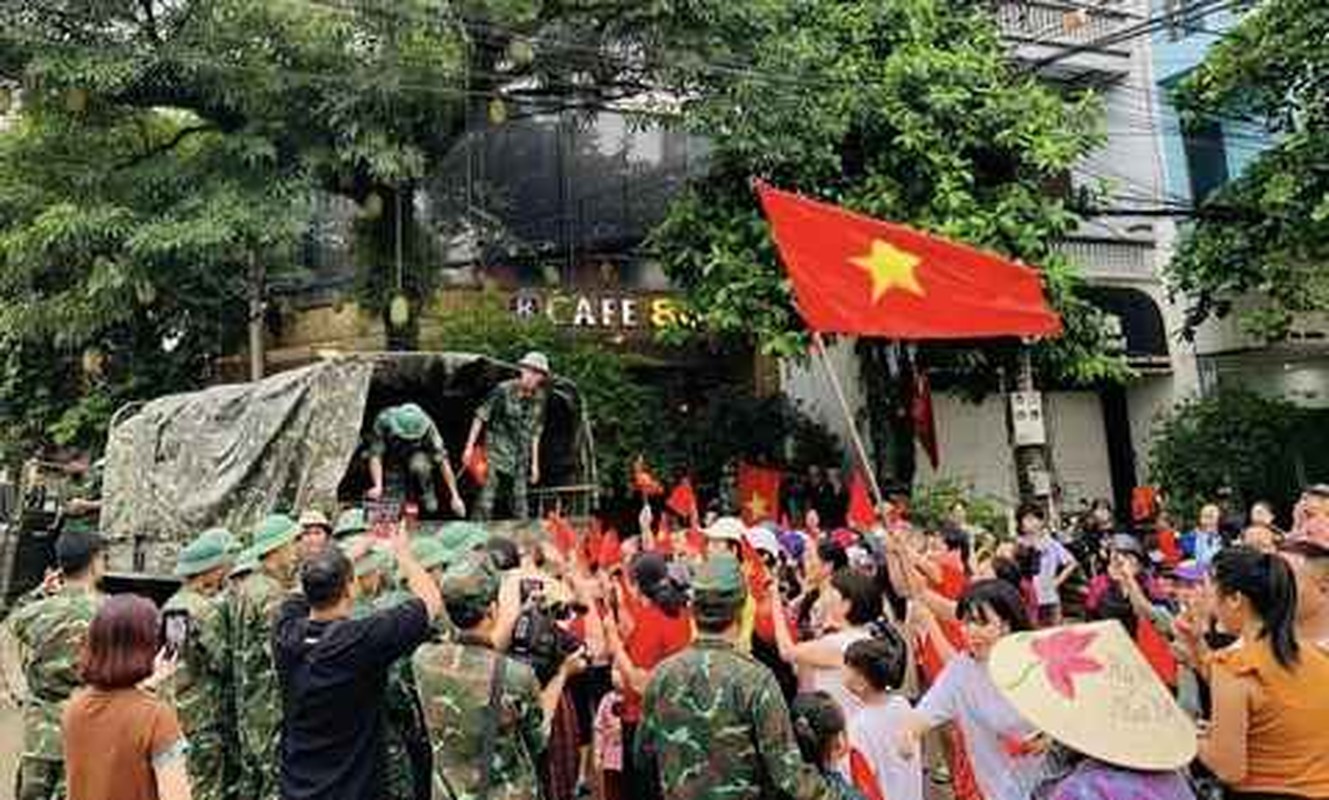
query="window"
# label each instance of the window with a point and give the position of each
(1206, 158)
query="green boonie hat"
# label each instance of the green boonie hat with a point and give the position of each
(350, 521)
(245, 562)
(372, 560)
(459, 538)
(211, 549)
(276, 530)
(471, 585)
(408, 421)
(429, 551)
(718, 587)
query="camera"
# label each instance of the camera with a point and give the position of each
(538, 639)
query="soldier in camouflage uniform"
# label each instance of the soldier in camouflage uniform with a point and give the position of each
(714, 723)
(249, 615)
(200, 687)
(404, 437)
(49, 627)
(455, 680)
(513, 414)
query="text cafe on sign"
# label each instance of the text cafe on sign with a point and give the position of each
(607, 312)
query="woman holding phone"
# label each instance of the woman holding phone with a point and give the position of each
(121, 741)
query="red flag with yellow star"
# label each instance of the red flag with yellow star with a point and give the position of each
(856, 275)
(758, 493)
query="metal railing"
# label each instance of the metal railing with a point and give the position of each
(1056, 23)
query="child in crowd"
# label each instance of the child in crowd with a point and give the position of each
(874, 669)
(819, 727)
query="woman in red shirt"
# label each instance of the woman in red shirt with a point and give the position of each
(661, 627)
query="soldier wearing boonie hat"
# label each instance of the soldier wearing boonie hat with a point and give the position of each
(405, 438)
(350, 522)
(315, 530)
(512, 418)
(199, 684)
(455, 681)
(251, 611)
(711, 687)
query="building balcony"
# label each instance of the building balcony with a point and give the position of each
(1118, 261)
(1077, 35)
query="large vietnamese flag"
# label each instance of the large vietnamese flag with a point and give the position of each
(856, 275)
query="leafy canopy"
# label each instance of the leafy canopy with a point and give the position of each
(162, 144)
(1266, 233)
(902, 109)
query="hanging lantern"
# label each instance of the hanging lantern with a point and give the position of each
(76, 100)
(498, 111)
(399, 311)
(145, 293)
(520, 52)
(94, 362)
(372, 207)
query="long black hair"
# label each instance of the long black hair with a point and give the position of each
(865, 604)
(1268, 583)
(817, 720)
(650, 571)
(994, 596)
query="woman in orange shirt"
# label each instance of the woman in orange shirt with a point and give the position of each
(1268, 736)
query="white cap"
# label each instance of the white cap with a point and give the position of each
(763, 541)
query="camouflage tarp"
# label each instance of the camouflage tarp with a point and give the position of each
(231, 454)
(228, 455)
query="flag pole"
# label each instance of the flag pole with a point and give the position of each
(819, 344)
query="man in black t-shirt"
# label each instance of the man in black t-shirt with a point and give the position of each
(333, 672)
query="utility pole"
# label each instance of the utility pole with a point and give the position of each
(1029, 435)
(257, 280)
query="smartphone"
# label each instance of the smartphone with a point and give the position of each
(175, 630)
(531, 587)
(382, 517)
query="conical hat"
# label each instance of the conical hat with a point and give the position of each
(1088, 687)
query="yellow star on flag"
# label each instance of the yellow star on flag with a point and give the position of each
(890, 268)
(757, 506)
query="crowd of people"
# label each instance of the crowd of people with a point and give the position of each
(692, 659)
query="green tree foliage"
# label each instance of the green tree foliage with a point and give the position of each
(1233, 439)
(161, 144)
(902, 109)
(1266, 233)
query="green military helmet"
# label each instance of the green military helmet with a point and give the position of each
(371, 560)
(461, 538)
(246, 561)
(429, 551)
(275, 531)
(350, 522)
(211, 549)
(470, 586)
(718, 589)
(407, 421)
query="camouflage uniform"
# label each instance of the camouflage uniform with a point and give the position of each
(250, 613)
(454, 684)
(50, 633)
(513, 422)
(714, 723)
(200, 689)
(404, 734)
(406, 435)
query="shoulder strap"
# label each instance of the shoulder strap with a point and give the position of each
(491, 726)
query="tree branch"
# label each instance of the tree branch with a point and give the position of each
(166, 146)
(150, 21)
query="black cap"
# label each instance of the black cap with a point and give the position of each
(74, 550)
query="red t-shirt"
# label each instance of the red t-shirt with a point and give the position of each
(655, 637)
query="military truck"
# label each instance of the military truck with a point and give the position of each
(228, 455)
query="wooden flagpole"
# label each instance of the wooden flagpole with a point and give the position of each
(819, 344)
